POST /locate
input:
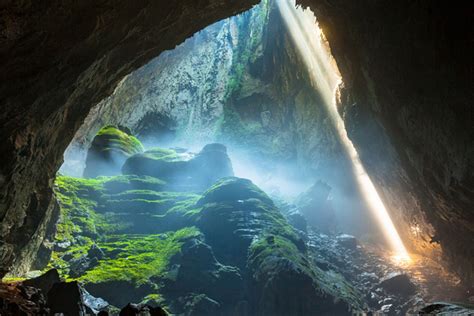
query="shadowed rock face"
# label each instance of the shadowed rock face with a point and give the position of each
(407, 71)
(407, 100)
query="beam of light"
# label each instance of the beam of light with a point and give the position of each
(310, 43)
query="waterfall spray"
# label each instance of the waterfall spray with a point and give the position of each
(308, 39)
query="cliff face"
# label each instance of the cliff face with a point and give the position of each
(407, 70)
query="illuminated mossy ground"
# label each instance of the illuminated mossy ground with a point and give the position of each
(130, 238)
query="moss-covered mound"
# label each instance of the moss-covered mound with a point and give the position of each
(249, 231)
(227, 251)
(184, 170)
(109, 150)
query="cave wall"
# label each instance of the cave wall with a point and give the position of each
(407, 101)
(406, 66)
(58, 60)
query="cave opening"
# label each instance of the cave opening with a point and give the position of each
(221, 177)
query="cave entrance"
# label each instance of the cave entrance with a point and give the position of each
(148, 208)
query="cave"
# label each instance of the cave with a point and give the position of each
(273, 157)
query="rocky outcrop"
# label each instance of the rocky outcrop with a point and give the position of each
(274, 257)
(109, 150)
(315, 205)
(182, 169)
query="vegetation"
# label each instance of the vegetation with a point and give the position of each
(137, 258)
(114, 139)
(133, 231)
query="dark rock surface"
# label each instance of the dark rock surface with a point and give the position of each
(142, 309)
(45, 281)
(443, 308)
(407, 103)
(249, 231)
(16, 299)
(399, 284)
(66, 298)
(316, 207)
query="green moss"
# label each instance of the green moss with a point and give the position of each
(122, 183)
(161, 154)
(264, 251)
(137, 257)
(114, 139)
(93, 211)
(233, 189)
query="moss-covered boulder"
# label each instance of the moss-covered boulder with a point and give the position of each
(183, 170)
(246, 229)
(109, 150)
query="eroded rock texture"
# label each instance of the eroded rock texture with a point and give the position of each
(58, 60)
(407, 70)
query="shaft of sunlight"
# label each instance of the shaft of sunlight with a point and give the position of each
(309, 41)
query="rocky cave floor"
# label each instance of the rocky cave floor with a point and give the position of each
(388, 287)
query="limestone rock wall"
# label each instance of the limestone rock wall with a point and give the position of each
(407, 69)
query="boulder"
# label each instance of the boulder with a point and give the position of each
(297, 220)
(182, 169)
(109, 150)
(398, 284)
(316, 206)
(199, 272)
(443, 308)
(142, 309)
(347, 241)
(44, 282)
(93, 304)
(66, 298)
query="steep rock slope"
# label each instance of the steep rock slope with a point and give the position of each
(407, 71)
